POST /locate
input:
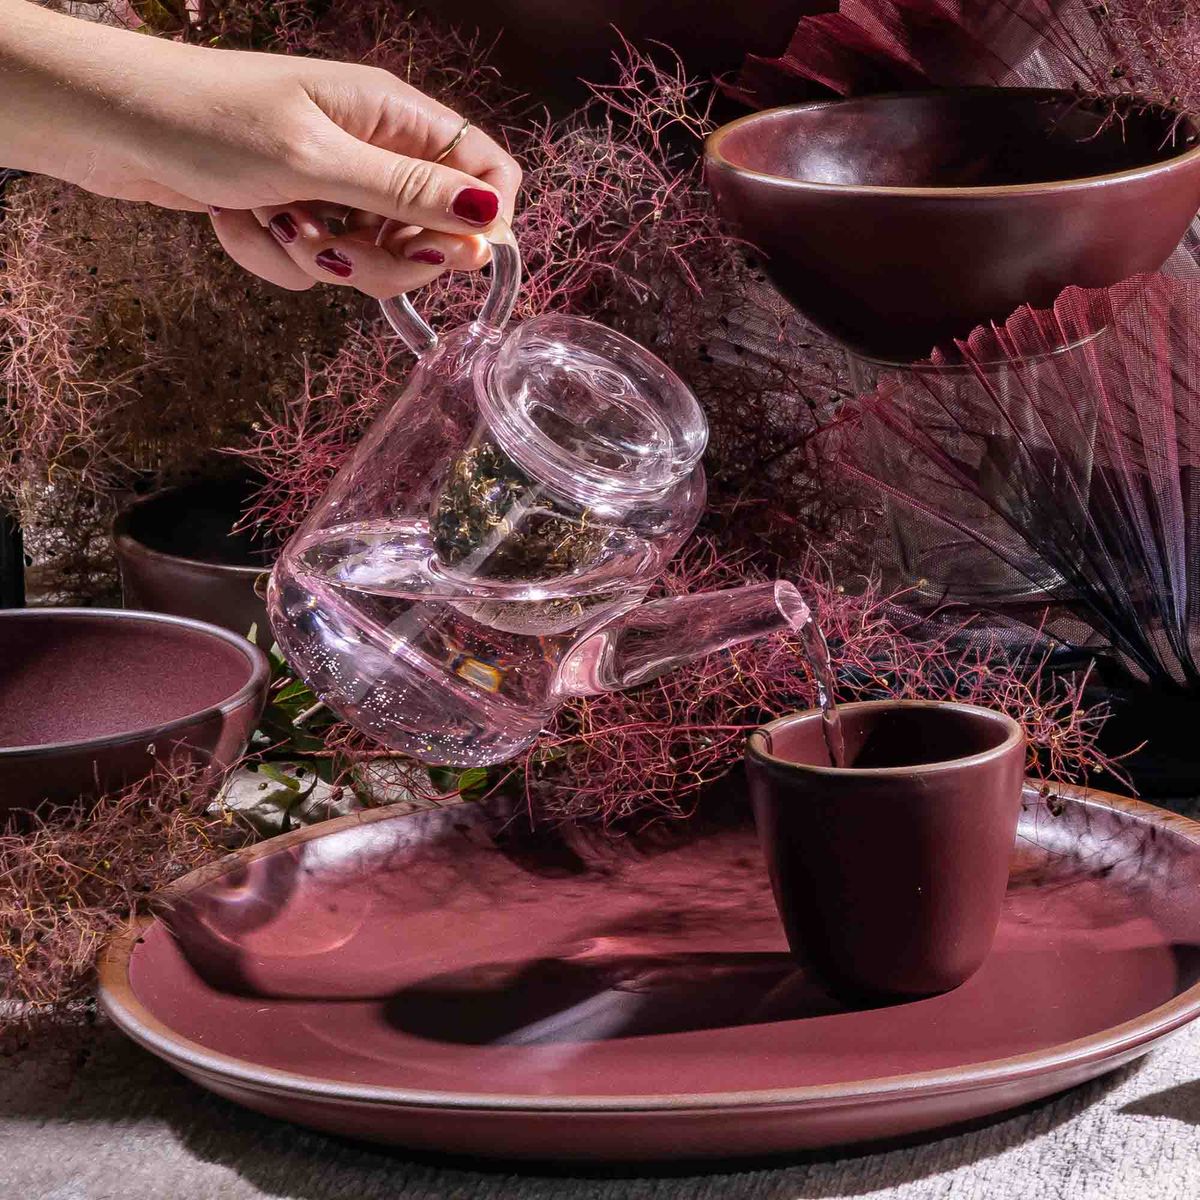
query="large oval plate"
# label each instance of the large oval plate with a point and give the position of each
(452, 980)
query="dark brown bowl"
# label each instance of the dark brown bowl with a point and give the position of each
(91, 699)
(179, 553)
(897, 223)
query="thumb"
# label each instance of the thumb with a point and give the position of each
(409, 190)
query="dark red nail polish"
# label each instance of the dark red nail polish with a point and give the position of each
(335, 262)
(433, 257)
(476, 205)
(283, 227)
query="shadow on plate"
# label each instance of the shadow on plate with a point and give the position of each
(584, 999)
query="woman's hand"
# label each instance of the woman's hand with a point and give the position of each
(273, 147)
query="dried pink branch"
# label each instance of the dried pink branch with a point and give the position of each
(131, 348)
(650, 752)
(70, 877)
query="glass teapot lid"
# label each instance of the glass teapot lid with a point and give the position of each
(590, 412)
(576, 405)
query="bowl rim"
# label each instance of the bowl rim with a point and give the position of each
(124, 541)
(714, 158)
(118, 998)
(1014, 737)
(260, 676)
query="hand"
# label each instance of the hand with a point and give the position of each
(274, 147)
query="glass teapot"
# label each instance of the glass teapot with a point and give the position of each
(485, 553)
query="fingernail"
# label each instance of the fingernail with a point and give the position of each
(335, 263)
(476, 205)
(433, 257)
(283, 227)
(212, 208)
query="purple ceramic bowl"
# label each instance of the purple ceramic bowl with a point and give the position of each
(91, 699)
(179, 553)
(896, 223)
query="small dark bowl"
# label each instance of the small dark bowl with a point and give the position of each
(897, 223)
(91, 699)
(179, 554)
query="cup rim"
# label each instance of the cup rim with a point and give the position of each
(755, 749)
(715, 156)
(257, 680)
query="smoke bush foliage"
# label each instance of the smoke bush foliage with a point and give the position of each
(70, 877)
(131, 349)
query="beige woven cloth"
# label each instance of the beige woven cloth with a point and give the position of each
(122, 1126)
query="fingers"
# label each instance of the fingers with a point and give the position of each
(351, 251)
(479, 156)
(443, 249)
(378, 144)
(410, 190)
(252, 247)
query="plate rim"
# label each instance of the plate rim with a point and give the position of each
(1124, 1041)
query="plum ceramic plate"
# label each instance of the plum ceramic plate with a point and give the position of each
(452, 981)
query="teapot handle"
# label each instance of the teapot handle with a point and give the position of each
(502, 295)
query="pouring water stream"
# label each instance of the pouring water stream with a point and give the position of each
(816, 653)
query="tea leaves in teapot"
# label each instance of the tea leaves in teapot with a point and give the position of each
(492, 517)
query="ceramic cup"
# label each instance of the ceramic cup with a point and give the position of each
(889, 874)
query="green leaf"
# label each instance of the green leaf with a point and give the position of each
(472, 783)
(326, 769)
(282, 777)
(296, 690)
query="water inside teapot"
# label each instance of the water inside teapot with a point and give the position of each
(378, 594)
(380, 620)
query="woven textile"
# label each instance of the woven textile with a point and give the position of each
(126, 1127)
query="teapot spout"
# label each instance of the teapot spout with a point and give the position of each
(657, 637)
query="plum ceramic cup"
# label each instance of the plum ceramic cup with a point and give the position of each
(889, 874)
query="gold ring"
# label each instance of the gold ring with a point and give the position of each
(453, 143)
